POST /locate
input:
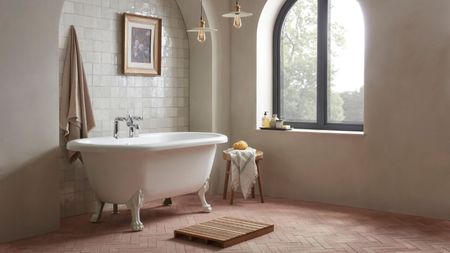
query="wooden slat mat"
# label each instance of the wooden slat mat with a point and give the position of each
(225, 232)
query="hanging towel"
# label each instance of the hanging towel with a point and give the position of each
(243, 169)
(75, 114)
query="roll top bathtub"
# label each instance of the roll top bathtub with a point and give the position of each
(153, 166)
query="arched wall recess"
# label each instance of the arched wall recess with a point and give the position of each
(204, 102)
(163, 101)
(202, 83)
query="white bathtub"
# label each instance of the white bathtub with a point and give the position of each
(132, 171)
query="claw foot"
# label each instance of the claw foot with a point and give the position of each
(167, 202)
(135, 204)
(201, 194)
(95, 218)
(137, 226)
(207, 208)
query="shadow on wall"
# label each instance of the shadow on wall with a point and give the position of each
(28, 212)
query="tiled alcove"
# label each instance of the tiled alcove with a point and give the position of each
(162, 101)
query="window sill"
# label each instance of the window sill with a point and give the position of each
(315, 131)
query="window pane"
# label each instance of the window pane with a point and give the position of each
(346, 63)
(298, 63)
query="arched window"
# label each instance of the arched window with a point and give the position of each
(319, 64)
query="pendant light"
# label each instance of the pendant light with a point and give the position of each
(202, 29)
(237, 14)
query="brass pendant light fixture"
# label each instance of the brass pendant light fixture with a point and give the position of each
(237, 14)
(201, 30)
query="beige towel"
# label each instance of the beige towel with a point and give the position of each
(75, 114)
(243, 169)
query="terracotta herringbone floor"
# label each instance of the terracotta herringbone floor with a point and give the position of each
(299, 227)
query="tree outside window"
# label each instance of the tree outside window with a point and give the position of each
(319, 74)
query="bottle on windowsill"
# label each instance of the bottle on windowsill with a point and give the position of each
(265, 123)
(273, 121)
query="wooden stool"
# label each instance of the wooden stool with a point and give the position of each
(259, 157)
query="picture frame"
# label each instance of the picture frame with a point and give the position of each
(142, 45)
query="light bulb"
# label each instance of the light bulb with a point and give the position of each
(237, 21)
(201, 36)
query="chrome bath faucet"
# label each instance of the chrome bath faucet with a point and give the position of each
(132, 126)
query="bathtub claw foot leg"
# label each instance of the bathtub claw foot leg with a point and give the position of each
(135, 204)
(98, 212)
(115, 209)
(201, 194)
(167, 202)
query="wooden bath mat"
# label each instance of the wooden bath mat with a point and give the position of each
(224, 232)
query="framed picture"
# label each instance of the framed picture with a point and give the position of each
(142, 45)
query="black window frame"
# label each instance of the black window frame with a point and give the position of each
(322, 70)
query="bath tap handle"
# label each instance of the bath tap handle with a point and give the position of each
(120, 119)
(131, 118)
(132, 125)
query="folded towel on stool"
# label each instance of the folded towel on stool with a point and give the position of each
(243, 169)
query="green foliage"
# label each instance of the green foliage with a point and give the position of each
(336, 111)
(299, 68)
(353, 100)
(299, 62)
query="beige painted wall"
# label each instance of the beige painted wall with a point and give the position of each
(29, 165)
(402, 163)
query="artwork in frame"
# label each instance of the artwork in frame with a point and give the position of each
(142, 45)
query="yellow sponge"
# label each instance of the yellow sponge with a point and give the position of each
(241, 145)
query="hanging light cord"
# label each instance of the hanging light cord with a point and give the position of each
(201, 9)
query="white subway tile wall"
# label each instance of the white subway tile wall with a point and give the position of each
(163, 101)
